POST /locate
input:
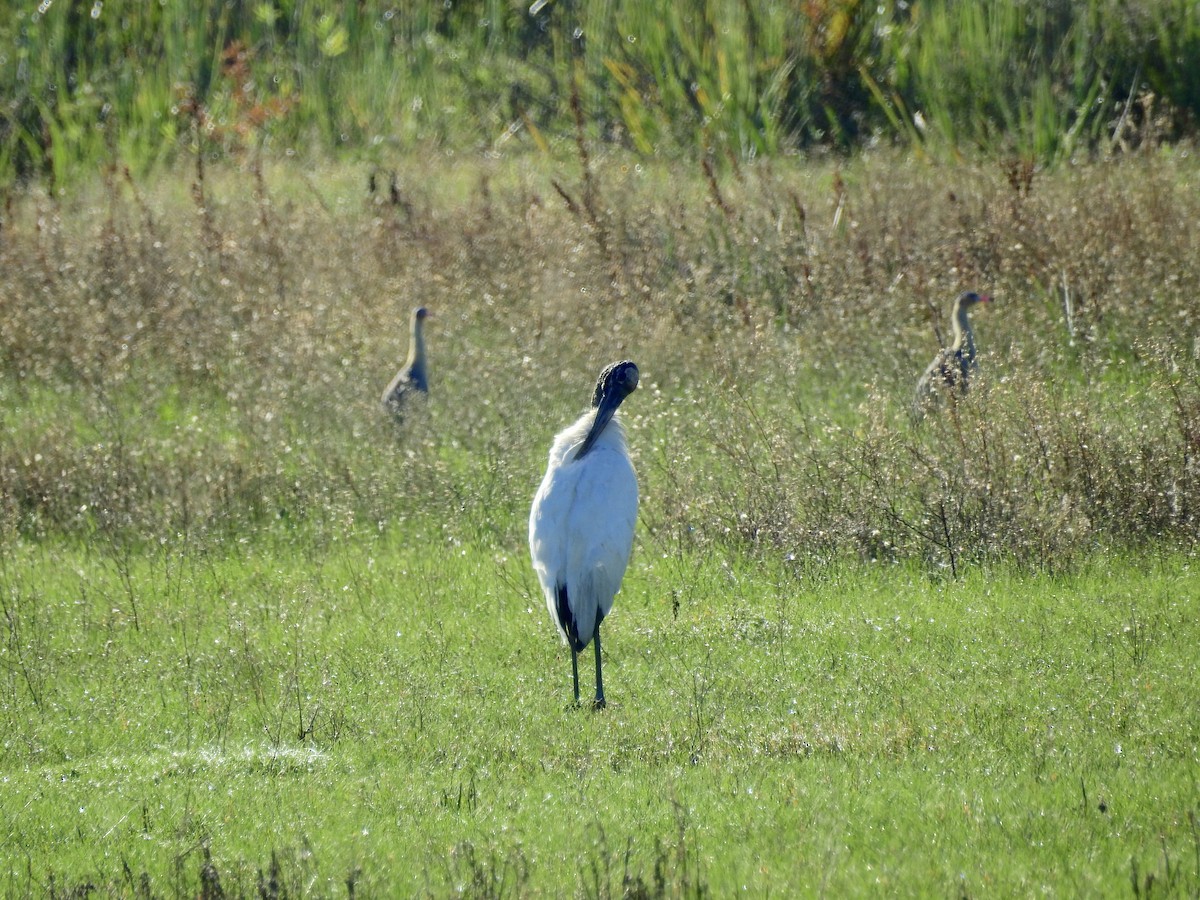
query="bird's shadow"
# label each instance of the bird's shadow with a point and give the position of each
(593, 705)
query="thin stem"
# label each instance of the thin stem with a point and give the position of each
(575, 673)
(599, 704)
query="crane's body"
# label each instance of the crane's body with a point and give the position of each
(583, 517)
(954, 366)
(412, 377)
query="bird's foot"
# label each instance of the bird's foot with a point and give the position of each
(598, 703)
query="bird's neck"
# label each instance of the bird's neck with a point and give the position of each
(964, 337)
(612, 437)
(416, 346)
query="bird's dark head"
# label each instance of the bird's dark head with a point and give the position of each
(615, 383)
(420, 313)
(967, 299)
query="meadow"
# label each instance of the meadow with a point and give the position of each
(260, 641)
(390, 718)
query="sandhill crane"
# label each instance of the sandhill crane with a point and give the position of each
(582, 521)
(953, 367)
(412, 377)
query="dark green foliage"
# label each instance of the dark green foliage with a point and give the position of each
(86, 83)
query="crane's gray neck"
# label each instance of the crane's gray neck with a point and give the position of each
(416, 345)
(964, 337)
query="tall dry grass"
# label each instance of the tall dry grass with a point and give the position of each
(170, 367)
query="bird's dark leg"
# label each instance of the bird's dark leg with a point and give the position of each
(575, 673)
(598, 703)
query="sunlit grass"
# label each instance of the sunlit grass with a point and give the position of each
(251, 626)
(395, 712)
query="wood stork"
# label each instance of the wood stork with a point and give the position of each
(412, 377)
(953, 367)
(582, 521)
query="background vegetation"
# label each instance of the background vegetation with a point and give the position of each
(258, 640)
(183, 359)
(85, 81)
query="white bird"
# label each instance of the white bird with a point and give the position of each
(953, 366)
(412, 377)
(583, 517)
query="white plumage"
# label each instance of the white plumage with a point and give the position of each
(583, 518)
(581, 528)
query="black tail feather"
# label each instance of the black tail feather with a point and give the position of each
(562, 609)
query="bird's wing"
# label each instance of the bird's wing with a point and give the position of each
(964, 364)
(397, 388)
(600, 525)
(408, 380)
(581, 533)
(932, 372)
(942, 371)
(416, 378)
(931, 383)
(547, 534)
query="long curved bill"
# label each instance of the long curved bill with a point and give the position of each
(608, 406)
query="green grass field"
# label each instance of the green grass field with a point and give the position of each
(393, 715)
(258, 641)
